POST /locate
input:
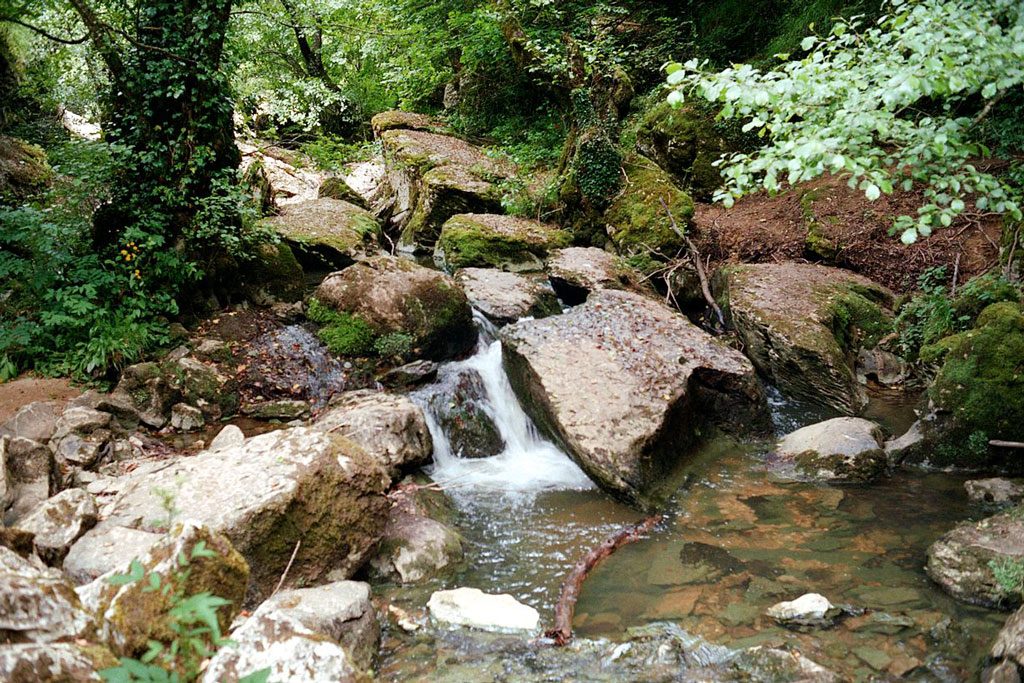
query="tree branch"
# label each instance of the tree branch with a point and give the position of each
(46, 34)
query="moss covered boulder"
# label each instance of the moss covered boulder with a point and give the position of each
(978, 393)
(637, 220)
(841, 450)
(494, 241)
(435, 177)
(191, 559)
(415, 546)
(23, 168)
(406, 120)
(274, 275)
(385, 296)
(327, 232)
(335, 187)
(802, 326)
(265, 496)
(686, 141)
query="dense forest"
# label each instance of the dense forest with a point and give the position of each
(320, 317)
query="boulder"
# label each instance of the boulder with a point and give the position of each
(404, 120)
(391, 296)
(840, 450)
(37, 604)
(473, 240)
(27, 465)
(995, 490)
(186, 418)
(285, 409)
(23, 168)
(228, 437)
(190, 560)
(389, 427)
(274, 274)
(36, 421)
(203, 385)
(459, 404)
(53, 663)
(149, 392)
(265, 495)
(575, 272)
(335, 187)
(637, 222)
(415, 547)
(327, 233)
(1007, 653)
(474, 608)
(625, 384)
(409, 375)
(435, 177)
(506, 297)
(802, 326)
(975, 562)
(105, 549)
(59, 522)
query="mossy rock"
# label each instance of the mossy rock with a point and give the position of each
(327, 233)
(446, 191)
(490, 240)
(23, 168)
(978, 392)
(391, 295)
(404, 120)
(686, 141)
(275, 273)
(637, 220)
(334, 187)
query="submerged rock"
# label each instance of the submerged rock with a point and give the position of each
(266, 495)
(1007, 653)
(506, 297)
(625, 384)
(472, 607)
(397, 296)
(802, 326)
(842, 450)
(473, 240)
(390, 428)
(975, 561)
(329, 233)
(59, 522)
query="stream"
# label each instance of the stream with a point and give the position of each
(735, 542)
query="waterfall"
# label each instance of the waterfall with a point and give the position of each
(527, 464)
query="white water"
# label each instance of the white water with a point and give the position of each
(528, 464)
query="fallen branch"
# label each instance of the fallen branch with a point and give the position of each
(284, 575)
(1005, 444)
(566, 607)
(698, 264)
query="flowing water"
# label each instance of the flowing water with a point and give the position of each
(736, 541)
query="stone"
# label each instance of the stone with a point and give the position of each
(74, 453)
(404, 120)
(880, 366)
(808, 609)
(23, 169)
(409, 375)
(228, 437)
(59, 522)
(132, 614)
(341, 610)
(459, 404)
(415, 547)
(327, 233)
(995, 490)
(802, 326)
(575, 272)
(961, 560)
(1009, 643)
(397, 296)
(772, 664)
(840, 450)
(897, 450)
(150, 392)
(213, 350)
(637, 221)
(642, 383)
(473, 240)
(281, 409)
(80, 421)
(266, 495)
(104, 549)
(26, 465)
(53, 663)
(36, 421)
(37, 604)
(273, 276)
(474, 608)
(204, 386)
(435, 177)
(389, 427)
(185, 418)
(335, 187)
(506, 297)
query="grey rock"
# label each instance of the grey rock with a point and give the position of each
(415, 547)
(104, 549)
(575, 272)
(1009, 643)
(36, 421)
(459, 404)
(59, 522)
(53, 663)
(37, 604)
(389, 427)
(28, 465)
(506, 297)
(80, 421)
(843, 449)
(227, 437)
(960, 561)
(282, 409)
(995, 490)
(186, 418)
(410, 375)
(642, 382)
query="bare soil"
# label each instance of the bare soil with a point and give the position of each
(28, 389)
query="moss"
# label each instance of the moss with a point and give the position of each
(637, 220)
(496, 242)
(980, 292)
(23, 168)
(981, 381)
(857, 321)
(344, 334)
(276, 269)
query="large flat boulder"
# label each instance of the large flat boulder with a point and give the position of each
(435, 177)
(840, 450)
(802, 326)
(266, 496)
(484, 240)
(625, 383)
(327, 232)
(390, 296)
(505, 297)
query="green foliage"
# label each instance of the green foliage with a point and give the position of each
(343, 333)
(332, 154)
(890, 105)
(394, 345)
(597, 169)
(1009, 574)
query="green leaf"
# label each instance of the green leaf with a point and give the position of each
(808, 42)
(261, 676)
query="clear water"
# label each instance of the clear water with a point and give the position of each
(736, 541)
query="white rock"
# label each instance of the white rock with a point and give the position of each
(807, 606)
(228, 437)
(472, 607)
